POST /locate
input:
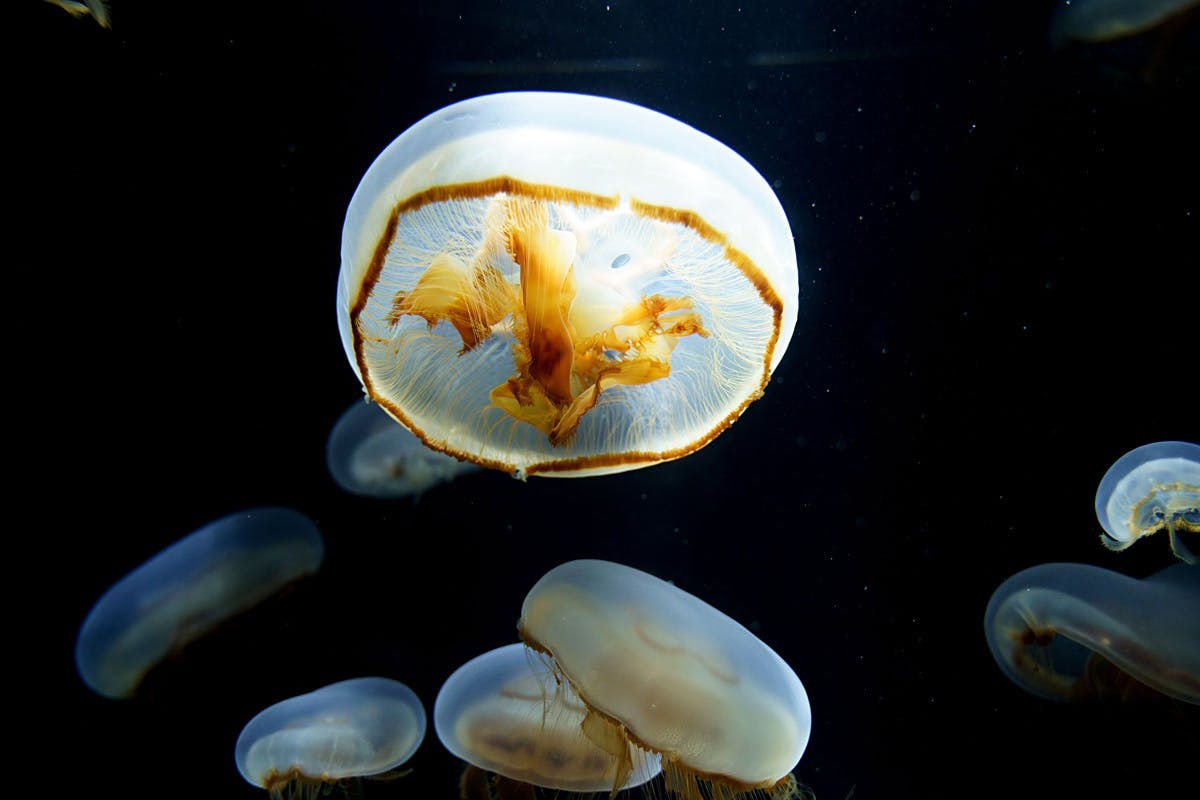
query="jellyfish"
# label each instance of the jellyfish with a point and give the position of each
(1055, 628)
(372, 455)
(96, 9)
(1102, 20)
(506, 713)
(660, 670)
(1151, 488)
(560, 284)
(302, 746)
(212, 574)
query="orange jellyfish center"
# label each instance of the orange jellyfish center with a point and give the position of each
(560, 372)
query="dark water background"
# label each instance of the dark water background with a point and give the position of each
(998, 250)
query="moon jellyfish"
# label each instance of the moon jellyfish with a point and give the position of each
(661, 670)
(370, 454)
(1149, 489)
(1053, 628)
(505, 712)
(212, 574)
(1102, 20)
(362, 727)
(560, 284)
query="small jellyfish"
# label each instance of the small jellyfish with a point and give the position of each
(661, 670)
(1149, 489)
(370, 454)
(505, 712)
(560, 284)
(1054, 628)
(302, 746)
(212, 574)
(1102, 20)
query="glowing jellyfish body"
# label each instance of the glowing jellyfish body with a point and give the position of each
(370, 454)
(662, 670)
(1046, 625)
(561, 284)
(1151, 488)
(212, 574)
(1102, 20)
(506, 713)
(350, 729)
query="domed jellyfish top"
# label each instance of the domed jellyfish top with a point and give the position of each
(505, 712)
(370, 454)
(561, 284)
(1049, 625)
(1103, 20)
(212, 574)
(1150, 488)
(354, 728)
(680, 677)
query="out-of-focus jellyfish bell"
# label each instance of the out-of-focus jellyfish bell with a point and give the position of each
(561, 284)
(212, 574)
(352, 729)
(1149, 489)
(370, 454)
(1054, 629)
(1102, 20)
(505, 712)
(661, 670)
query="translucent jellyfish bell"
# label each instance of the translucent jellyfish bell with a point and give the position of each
(1049, 626)
(212, 574)
(561, 284)
(1151, 488)
(355, 728)
(1103, 20)
(370, 454)
(505, 712)
(661, 670)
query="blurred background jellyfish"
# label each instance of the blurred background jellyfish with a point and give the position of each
(370, 454)
(661, 670)
(1104, 20)
(561, 284)
(302, 746)
(1151, 488)
(1073, 632)
(506, 713)
(210, 575)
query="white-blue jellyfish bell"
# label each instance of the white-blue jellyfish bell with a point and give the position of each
(1151, 488)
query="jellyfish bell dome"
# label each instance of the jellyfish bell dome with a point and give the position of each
(353, 728)
(1151, 488)
(562, 284)
(506, 712)
(677, 676)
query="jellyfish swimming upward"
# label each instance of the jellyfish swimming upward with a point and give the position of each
(660, 670)
(301, 746)
(561, 284)
(1151, 488)
(506, 713)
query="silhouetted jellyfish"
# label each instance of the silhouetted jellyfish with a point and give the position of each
(370, 454)
(560, 284)
(210, 575)
(505, 712)
(1149, 489)
(1054, 628)
(661, 670)
(1103, 20)
(302, 746)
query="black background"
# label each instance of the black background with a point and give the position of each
(997, 246)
